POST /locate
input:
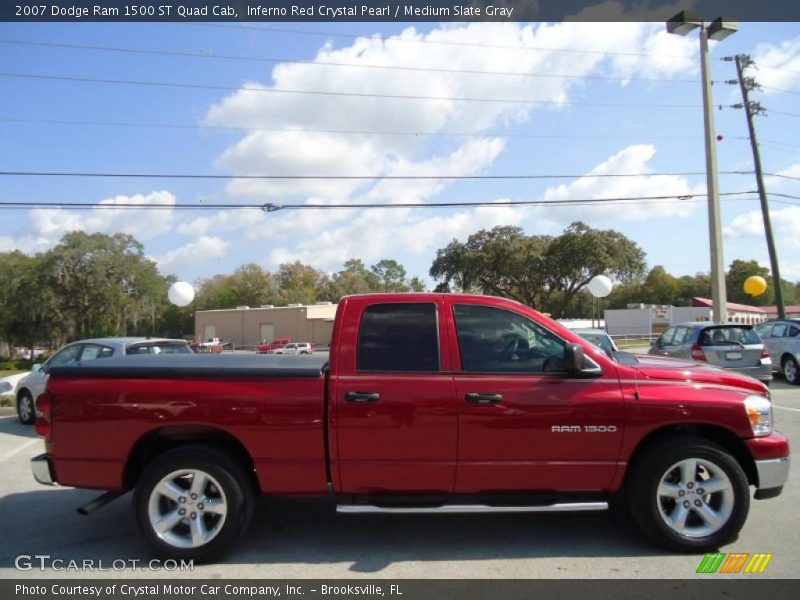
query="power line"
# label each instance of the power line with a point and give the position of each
(351, 177)
(780, 112)
(777, 89)
(347, 131)
(436, 42)
(778, 69)
(329, 93)
(205, 55)
(269, 207)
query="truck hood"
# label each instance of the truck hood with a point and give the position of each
(675, 369)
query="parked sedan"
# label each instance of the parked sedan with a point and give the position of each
(726, 345)
(782, 338)
(599, 338)
(29, 388)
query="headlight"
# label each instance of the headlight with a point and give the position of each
(759, 412)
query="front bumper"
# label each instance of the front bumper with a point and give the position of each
(772, 476)
(771, 456)
(42, 470)
(762, 372)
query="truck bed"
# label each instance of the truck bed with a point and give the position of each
(272, 406)
(147, 366)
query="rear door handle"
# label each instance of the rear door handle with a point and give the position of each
(362, 396)
(477, 398)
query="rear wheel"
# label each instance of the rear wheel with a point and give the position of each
(26, 409)
(790, 371)
(193, 502)
(689, 494)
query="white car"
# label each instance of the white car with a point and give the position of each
(29, 388)
(296, 348)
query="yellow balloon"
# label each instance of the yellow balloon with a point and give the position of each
(755, 285)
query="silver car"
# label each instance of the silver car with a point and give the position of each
(598, 337)
(29, 388)
(782, 338)
(727, 345)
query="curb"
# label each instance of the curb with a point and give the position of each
(7, 411)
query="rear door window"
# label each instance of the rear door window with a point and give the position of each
(399, 338)
(666, 337)
(95, 351)
(682, 336)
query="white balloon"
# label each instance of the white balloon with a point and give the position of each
(600, 286)
(181, 293)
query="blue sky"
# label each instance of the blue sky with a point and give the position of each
(604, 119)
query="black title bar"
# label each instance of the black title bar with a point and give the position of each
(391, 10)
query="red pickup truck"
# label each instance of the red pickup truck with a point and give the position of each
(426, 403)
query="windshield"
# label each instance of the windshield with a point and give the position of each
(729, 336)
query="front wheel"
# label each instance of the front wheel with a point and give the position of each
(790, 371)
(193, 502)
(689, 494)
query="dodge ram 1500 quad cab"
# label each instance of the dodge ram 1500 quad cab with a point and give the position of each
(426, 403)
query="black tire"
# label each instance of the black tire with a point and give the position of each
(26, 408)
(651, 510)
(227, 481)
(790, 371)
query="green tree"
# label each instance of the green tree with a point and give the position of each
(660, 287)
(28, 317)
(738, 273)
(415, 284)
(544, 272)
(354, 278)
(391, 276)
(582, 252)
(502, 261)
(301, 283)
(103, 285)
(253, 286)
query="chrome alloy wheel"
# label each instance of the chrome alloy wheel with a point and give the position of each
(26, 409)
(187, 508)
(695, 498)
(790, 370)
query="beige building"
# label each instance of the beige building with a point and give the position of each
(245, 326)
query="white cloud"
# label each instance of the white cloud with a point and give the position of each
(202, 250)
(50, 224)
(785, 223)
(631, 160)
(615, 49)
(780, 65)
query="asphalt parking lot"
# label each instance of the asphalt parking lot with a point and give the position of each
(304, 538)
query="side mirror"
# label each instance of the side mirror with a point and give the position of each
(576, 364)
(36, 368)
(573, 358)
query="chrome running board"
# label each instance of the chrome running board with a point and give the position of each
(469, 508)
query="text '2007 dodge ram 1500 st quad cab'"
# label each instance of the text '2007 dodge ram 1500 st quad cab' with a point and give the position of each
(426, 403)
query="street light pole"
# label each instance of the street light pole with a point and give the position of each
(719, 29)
(719, 295)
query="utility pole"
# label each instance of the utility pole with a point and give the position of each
(719, 294)
(750, 108)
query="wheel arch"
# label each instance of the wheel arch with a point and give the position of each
(156, 442)
(713, 433)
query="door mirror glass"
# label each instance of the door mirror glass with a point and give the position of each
(37, 368)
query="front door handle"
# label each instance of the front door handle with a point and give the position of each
(362, 396)
(477, 398)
